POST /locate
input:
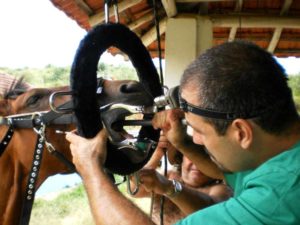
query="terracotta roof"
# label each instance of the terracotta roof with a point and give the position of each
(272, 24)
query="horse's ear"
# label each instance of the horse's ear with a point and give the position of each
(4, 107)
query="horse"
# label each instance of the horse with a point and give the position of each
(17, 158)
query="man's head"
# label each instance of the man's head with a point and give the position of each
(192, 176)
(241, 84)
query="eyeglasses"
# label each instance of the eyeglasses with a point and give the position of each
(187, 107)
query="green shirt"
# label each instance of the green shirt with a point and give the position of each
(270, 194)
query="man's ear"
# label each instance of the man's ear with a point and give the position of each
(243, 132)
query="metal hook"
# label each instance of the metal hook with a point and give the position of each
(106, 10)
(116, 10)
(59, 109)
(137, 184)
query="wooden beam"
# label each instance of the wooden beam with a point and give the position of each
(275, 39)
(170, 7)
(203, 8)
(99, 17)
(262, 39)
(277, 33)
(256, 21)
(150, 36)
(144, 19)
(238, 6)
(232, 34)
(189, 1)
(81, 4)
(233, 30)
(286, 6)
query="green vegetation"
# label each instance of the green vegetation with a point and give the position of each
(70, 207)
(294, 83)
(52, 76)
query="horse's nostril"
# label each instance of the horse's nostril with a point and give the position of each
(131, 87)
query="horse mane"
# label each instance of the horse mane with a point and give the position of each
(17, 87)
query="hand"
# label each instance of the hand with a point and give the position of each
(165, 145)
(152, 181)
(88, 152)
(170, 123)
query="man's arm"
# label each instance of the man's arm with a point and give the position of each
(201, 159)
(189, 200)
(107, 204)
(170, 123)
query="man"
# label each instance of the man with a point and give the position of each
(153, 184)
(236, 99)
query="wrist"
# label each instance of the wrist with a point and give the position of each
(87, 170)
(174, 189)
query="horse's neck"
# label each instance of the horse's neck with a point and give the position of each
(13, 183)
(15, 165)
(10, 189)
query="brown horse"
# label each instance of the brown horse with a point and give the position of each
(16, 160)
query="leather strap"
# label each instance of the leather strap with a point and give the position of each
(31, 182)
(5, 141)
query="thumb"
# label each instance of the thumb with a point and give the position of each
(72, 137)
(102, 134)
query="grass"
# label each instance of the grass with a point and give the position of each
(70, 207)
(67, 208)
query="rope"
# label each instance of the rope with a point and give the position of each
(156, 20)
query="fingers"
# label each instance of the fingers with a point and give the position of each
(164, 118)
(152, 181)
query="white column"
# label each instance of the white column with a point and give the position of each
(181, 48)
(186, 38)
(204, 34)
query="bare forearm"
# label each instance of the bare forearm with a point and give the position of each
(108, 205)
(190, 200)
(203, 162)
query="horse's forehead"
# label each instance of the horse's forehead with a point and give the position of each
(42, 91)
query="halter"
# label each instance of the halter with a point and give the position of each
(38, 121)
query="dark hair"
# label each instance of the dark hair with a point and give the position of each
(241, 77)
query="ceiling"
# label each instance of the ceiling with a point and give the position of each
(272, 24)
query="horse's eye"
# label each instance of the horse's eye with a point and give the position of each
(33, 100)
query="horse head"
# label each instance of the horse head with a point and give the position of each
(16, 160)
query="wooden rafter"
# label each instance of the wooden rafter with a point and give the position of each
(170, 7)
(150, 36)
(188, 1)
(286, 6)
(238, 5)
(275, 39)
(232, 33)
(256, 21)
(84, 7)
(99, 17)
(144, 19)
(233, 30)
(277, 32)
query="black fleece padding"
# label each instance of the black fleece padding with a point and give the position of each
(83, 84)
